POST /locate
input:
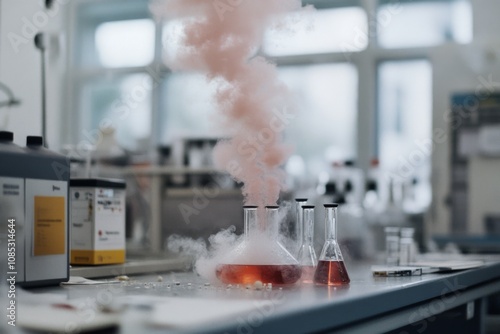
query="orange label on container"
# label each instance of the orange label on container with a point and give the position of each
(113, 256)
(49, 226)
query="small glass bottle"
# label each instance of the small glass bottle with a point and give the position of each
(392, 245)
(307, 256)
(298, 234)
(406, 246)
(331, 269)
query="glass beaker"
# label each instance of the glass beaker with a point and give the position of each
(260, 257)
(331, 269)
(307, 256)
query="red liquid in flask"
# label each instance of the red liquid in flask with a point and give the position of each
(331, 273)
(250, 273)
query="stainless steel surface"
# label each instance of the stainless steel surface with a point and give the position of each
(368, 304)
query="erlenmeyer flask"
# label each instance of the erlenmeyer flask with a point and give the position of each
(307, 256)
(331, 269)
(260, 257)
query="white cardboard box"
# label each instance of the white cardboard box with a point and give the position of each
(97, 221)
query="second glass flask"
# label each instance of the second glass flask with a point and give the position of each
(259, 256)
(307, 256)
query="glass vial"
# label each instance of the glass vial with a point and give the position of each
(331, 269)
(307, 256)
(406, 246)
(392, 246)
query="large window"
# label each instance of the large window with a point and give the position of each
(125, 43)
(404, 118)
(114, 73)
(322, 31)
(188, 97)
(122, 102)
(404, 24)
(360, 72)
(325, 127)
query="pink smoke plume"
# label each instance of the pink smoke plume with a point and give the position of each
(220, 38)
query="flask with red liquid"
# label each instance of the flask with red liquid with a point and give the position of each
(260, 257)
(331, 269)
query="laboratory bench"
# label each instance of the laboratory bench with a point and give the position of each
(183, 302)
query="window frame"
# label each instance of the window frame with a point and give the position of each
(86, 16)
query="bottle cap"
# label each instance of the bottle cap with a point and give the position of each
(331, 188)
(6, 136)
(34, 141)
(341, 199)
(349, 163)
(348, 186)
(371, 185)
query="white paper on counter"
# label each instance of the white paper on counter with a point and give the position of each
(188, 312)
(449, 265)
(78, 280)
(63, 318)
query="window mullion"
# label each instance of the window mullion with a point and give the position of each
(158, 75)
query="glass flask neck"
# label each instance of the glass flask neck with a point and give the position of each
(272, 219)
(299, 217)
(331, 223)
(308, 224)
(249, 220)
(331, 250)
(307, 255)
